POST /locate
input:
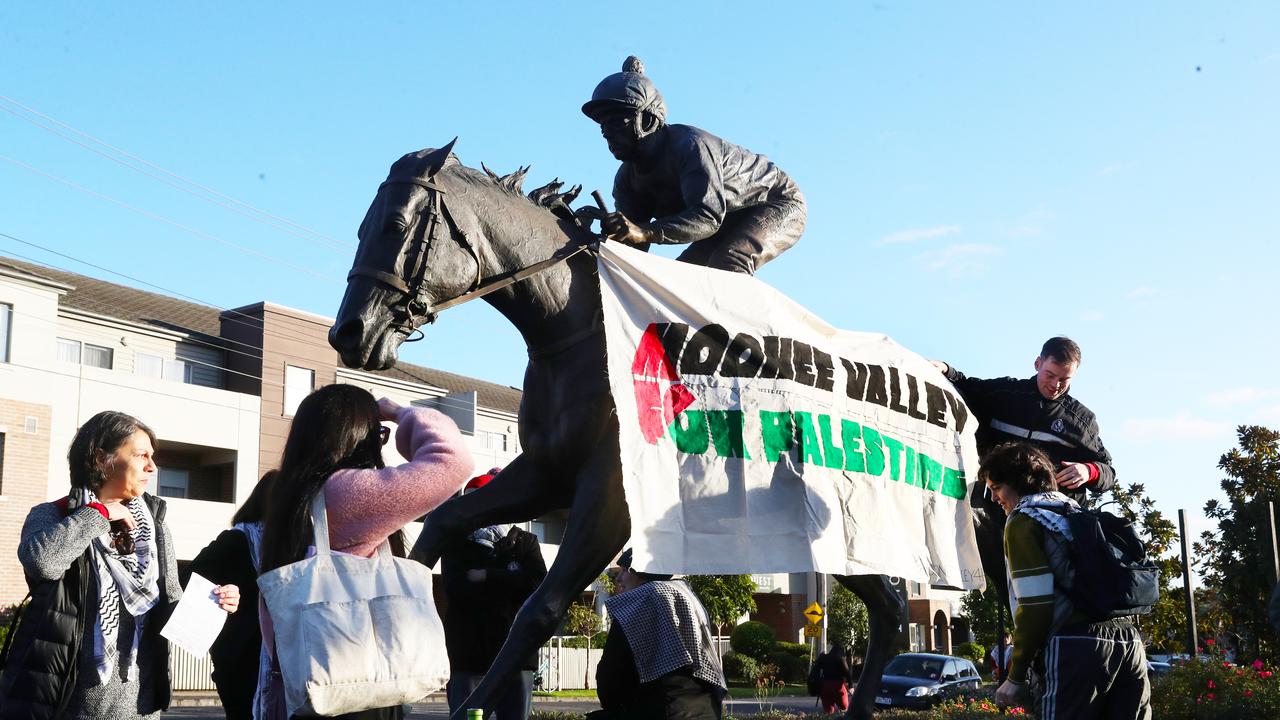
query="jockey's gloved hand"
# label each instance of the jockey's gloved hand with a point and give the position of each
(588, 213)
(616, 226)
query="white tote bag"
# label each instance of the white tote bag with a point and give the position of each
(354, 633)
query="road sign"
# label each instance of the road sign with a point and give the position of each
(814, 613)
(812, 631)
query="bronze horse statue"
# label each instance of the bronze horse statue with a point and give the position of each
(438, 232)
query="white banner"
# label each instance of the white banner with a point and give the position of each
(757, 438)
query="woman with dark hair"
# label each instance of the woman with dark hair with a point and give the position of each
(103, 582)
(335, 447)
(234, 557)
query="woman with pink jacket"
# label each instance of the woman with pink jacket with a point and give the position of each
(335, 446)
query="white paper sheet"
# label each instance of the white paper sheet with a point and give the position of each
(197, 619)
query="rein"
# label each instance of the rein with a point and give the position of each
(425, 234)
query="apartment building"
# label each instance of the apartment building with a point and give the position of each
(218, 387)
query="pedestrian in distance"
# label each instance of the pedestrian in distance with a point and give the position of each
(335, 446)
(103, 579)
(998, 658)
(832, 675)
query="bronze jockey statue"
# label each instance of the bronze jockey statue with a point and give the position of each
(679, 184)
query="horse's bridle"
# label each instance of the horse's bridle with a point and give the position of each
(414, 303)
(417, 251)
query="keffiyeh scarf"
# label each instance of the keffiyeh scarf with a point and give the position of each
(1036, 506)
(668, 629)
(131, 580)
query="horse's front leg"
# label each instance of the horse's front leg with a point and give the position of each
(597, 529)
(519, 493)
(886, 612)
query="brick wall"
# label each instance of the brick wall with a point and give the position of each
(24, 482)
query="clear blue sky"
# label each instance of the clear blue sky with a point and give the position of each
(980, 175)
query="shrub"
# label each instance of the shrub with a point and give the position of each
(740, 667)
(790, 668)
(967, 708)
(972, 651)
(753, 638)
(1210, 687)
(800, 650)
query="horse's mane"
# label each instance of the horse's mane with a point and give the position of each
(547, 197)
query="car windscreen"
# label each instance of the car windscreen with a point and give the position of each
(914, 667)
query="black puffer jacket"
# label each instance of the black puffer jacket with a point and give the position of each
(1013, 409)
(41, 670)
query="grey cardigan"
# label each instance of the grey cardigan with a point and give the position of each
(52, 541)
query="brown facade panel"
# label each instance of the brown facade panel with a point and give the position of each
(24, 483)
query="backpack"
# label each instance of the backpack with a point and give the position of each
(1113, 575)
(814, 682)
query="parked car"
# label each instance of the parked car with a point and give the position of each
(922, 680)
(1155, 668)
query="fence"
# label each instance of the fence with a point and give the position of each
(559, 667)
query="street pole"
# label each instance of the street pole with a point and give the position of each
(1275, 555)
(1192, 640)
(823, 597)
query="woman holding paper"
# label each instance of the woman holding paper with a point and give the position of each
(103, 581)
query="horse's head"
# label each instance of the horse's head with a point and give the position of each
(411, 256)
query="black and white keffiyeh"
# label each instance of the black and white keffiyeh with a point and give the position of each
(131, 579)
(1036, 506)
(668, 629)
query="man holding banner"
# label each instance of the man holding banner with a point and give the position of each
(1038, 410)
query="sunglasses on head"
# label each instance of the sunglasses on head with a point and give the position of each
(384, 433)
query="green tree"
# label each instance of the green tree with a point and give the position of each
(583, 620)
(1236, 558)
(726, 597)
(847, 624)
(981, 609)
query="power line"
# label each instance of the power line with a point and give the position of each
(211, 195)
(237, 316)
(441, 400)
(163, 219)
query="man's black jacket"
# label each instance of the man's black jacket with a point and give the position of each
(1013, 409)
(478, 614)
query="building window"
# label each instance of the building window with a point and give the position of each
(96, 356)
(69, 350)
(492, 440)
(154, 366)
(6, 322)
(149, 366)
(73, 351)
(174, 483)
(298, 383)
